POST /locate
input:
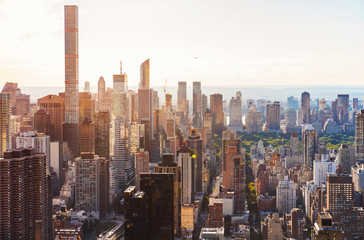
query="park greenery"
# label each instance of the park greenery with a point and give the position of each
(278, 139)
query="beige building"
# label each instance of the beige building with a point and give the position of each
(275, 227)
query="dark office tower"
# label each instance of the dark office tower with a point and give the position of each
(194, 143)
(54, 105)
(102, 134)
(147, 140)
(135, 212)
(355, 103)
(343, 108)
(217, 112)
(340, 205)
(42, 122)
(5, 118)
(305, 106)
(297, 223)
(182, 101)
(87, 106)
(310, 145)
(334, 110)
(104, 185)
(273, 119)
(292, 103)
(101, 88)
(239, 185)
(71, 131)
(339, 194)
(24, 198)
(197, 104)
(168, 165)
(359, 136)
(203, 103)
(144, 74)
(145, 108)
(159, 191)
(87, 136)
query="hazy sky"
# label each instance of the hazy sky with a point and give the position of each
(218, 42)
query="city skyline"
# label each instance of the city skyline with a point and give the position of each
(292, 44)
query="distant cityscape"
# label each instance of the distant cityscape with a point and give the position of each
(143, 163)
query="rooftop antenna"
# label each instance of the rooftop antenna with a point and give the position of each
(121, 67)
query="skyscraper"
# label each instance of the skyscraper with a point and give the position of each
(185, 160)
(159, 189)
(141, 165)
(101, 86)
(87, 190)
(168, 165)
(235, 122)
(145, 111)
(144, 74)
(102, 133)
(343, 108)
(87, 136)
(54, 105)
(122, 157)
(194, 143)
(119, 96)
(24, 196)
(239, 185)
(310, 145)
(359, 136)
(305, 106)
(197, 105)
(71, 126)
(87, 106)
(42, 122)
(217, 112)
(5, 117)
(286, 195)
(273, 118)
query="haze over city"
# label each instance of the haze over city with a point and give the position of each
(238, 42)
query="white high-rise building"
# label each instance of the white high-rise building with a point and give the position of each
(38, 141)
(321, 169)
(286, 195)
(185, 160)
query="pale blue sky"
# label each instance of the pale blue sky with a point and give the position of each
(256, 42)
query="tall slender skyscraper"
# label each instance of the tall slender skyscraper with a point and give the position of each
(359, 136)
(101, 94)
(144, 74)
(5, 115)
(197, 104)
(216, 107)
(305, 106)
(182, 99)
(71, 126)
(71, 62)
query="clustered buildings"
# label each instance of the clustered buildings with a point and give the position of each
(174, 171)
